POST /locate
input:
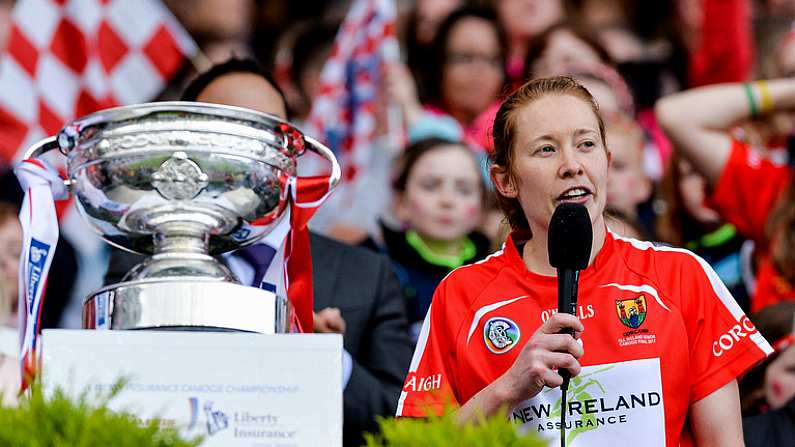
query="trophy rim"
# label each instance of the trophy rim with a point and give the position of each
(122, 113)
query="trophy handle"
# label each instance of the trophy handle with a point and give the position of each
(41, 148)
(320, 149)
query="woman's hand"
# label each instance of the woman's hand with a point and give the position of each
(402, 90)
(536, 367)
(546, 352)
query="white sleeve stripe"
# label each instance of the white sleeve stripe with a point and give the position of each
(419, 351)
(485, 309)
(399, 411)
(421, 341)
(718, 287)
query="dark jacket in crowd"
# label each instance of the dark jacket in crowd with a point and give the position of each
(418, 277)
(361, 284)
(772, 429)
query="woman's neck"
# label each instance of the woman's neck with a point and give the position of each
(536, 255)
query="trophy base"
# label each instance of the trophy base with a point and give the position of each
(187, 304)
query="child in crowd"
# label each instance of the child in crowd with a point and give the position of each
(687, 221)
(438, 197)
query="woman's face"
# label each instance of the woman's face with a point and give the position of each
(473, 72)
(558, 156)
(780, 379)
(564, 47)
(524, 19)
(443, 196)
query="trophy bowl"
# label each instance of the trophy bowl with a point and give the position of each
(181, 182)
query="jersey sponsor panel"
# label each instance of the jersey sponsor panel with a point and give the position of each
(605, 403)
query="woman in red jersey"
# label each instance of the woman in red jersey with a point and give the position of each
(749, 190)
(659, 340)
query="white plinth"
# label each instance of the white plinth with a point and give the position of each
(235, 389)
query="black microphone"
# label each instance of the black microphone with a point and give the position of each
(569, 246)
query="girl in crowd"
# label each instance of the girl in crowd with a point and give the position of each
(651, 323)
(749, 191)
(687, 221)
(439, 195)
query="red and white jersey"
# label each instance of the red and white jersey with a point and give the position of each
(747, 191)
(661, 332)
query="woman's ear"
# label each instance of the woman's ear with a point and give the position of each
(503, 181)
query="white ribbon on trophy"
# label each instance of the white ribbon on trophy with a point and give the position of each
(42, 186)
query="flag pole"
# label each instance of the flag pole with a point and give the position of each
(200, 61)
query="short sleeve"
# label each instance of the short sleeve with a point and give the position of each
(723, 343)
(429, 385)
(747, 190)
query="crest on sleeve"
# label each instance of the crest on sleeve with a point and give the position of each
(632, 312)
(500, 334)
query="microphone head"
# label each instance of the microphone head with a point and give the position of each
(570, 237)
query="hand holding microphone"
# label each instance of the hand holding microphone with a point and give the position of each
(554, 345)
(548, 349)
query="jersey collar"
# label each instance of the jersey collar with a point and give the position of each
(514, 259)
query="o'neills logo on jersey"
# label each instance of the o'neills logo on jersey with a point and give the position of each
(500, 334)
(632, 312)
(727, 341)
(423, 383)
(583, 313)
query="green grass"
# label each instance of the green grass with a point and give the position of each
(445, 431)
(55, 419)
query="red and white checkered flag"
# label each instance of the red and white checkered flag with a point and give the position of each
(67, 58)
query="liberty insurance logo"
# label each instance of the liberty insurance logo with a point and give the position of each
(216, 420)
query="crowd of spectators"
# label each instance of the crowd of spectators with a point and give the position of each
(695, 95)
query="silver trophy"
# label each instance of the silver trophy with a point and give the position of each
(181, 182)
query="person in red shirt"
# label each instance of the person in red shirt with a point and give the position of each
(658, 341)
(749, 190)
